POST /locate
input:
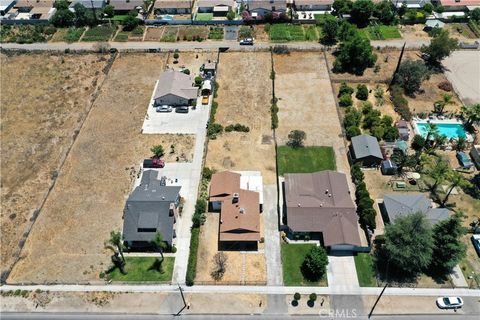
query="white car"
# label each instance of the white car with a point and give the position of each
(449, 302)
(164, 109)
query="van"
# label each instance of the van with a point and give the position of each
(182, 109)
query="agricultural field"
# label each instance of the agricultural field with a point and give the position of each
(286, 32)
(169, 34)
(244, 99)
(193, 33)
(26, 34)
(90, 192)
(380, 32)
(72, 34)
(99, 33)
(215, 33)
(45, 98)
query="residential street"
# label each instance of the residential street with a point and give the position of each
(188, 46)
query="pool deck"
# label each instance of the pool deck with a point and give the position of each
(416, 121)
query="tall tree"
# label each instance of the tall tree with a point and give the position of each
(342, 7)
(441, 104)
(440, 47)
(115, 243)
(362, 11)
(315, 263)
(456, 179)
(438, 170)
(410, 75)
(330, 28)
(448, 248)
(432, 130)
(385, 11)
(160, 245)
(355, 55)
(409, 244)
(296, 138)
(403, 161)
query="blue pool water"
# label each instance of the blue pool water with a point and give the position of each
(450, 130)
(167, 17)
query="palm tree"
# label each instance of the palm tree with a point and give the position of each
(461, 144)
(471, 113)
(456, 180)
(160, 245)
(115, 243)
(432, 129)
(438, 171)
(441, 104)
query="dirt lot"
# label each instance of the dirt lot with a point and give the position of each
(154, 34)
(192, 60)
(241, 267)
(244, 97)
(45, 98)
(386, 59)
(66, 244)
(413, 32)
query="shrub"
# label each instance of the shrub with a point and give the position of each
(237, 127)
(174, 249)
(176, 55)
(345, 100)
(214, 129)
(192, 258)
(281, 49)
(198, 81)
(274, 114)
(296, 296)
(315, 263)
(400, 104)
(445, 86)
(352, 118)
(345, 89)
(313, 297)
(362, 92)
(352, 131)
(207, 173)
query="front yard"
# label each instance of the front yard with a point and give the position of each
(143, 269)
(292, 259)
(305, 160)
(365, 270)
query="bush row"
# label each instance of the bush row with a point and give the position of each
(365, 210)
(237, 127)
(400, 104)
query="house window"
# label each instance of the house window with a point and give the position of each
(147, 230)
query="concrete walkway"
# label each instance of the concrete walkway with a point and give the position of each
(272, 237)
(457, 278)
(341, 272)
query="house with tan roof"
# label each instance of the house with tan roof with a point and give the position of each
(217, 7)
(239, 211)
(173, 6)
(318, 206)
(313, 5)
(174, 88)
(125, 6)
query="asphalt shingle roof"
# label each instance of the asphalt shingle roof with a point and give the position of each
(398, 205)
(365, 145)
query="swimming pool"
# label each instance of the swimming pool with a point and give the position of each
(452, 130)
(167, 17)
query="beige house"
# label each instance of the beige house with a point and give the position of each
(173, 6)
(175, 88)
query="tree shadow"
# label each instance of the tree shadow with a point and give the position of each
(157, 266)
(294, 303)
(310, 303)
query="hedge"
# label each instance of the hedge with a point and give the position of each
(192, 258)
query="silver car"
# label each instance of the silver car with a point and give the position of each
(164, 109)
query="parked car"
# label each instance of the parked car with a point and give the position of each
(205, 100)
(164, 109)
(476, 242)
(246, 42)
(182, 109)
(153, 163)
(449, 302)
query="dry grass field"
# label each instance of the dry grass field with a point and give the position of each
(241, 267)
(244, 97)
(66, 243)
(44, 100)
(192, 60)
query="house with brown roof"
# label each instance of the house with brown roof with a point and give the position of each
(319, 206)
(174, 88)
(173, 6)
(239, 211)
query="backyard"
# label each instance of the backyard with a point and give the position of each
(143, 269)
(99, 33)
(380, 32)
(96, 194)
(292, 32)
(293, 256)
(305, 160)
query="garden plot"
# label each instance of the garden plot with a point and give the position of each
(66, 243)
(244, 97)
(45, 98)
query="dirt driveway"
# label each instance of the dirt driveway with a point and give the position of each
(66, 243)
(463, 72)
(44, 100)
(244, 97)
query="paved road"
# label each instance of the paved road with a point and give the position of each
(272, 238)
(81, 316)
(188, 46)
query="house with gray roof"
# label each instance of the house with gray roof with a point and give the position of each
(89, 4)
(398, 205)
(175, 88)
(152, 207)
(365, 149)
(319, 206)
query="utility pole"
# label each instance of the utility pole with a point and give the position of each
(183, 299)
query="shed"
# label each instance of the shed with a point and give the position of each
(365, 149)
(388, 168)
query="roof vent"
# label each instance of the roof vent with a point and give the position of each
(329, 195)
(242, 210)
(326, 191)
(299, 205)
(236, 197)
(221, 221)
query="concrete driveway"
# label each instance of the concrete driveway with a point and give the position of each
(272, 237)
(341, 272)
(463, 71)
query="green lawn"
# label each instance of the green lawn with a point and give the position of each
(73, 34)
(305, 160)
(286, 32)
(100, 33)
(140, 269)
(365, 270)
(204, 16)
(380, 32)
(292, 259)
(119, 17)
